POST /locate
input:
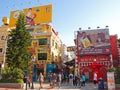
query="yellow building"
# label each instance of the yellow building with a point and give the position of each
(45, 42)
(45, 46)
(3, 41)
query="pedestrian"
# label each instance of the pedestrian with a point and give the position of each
(67, 79)
(75, 80)
(28, 82)
(83, 80)
(59, 80)
(53, 80)
(95, 78)
(71, 79)
(24, 79)
(80, 81)
(49, 78)
(41, 80)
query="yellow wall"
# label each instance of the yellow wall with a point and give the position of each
(46, 48)
(37, 15)
(43, 13)
(3, 33)
(13, 18)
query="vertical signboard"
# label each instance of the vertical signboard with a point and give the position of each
(91, 42)
(111, 80)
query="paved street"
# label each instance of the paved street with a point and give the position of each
(89, 86)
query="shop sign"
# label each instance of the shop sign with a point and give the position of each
(111, 80)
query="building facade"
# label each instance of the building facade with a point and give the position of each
(96, 46)
(45, 48)
(4, 31)
(45, 45)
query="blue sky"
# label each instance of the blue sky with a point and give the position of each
(70, 15)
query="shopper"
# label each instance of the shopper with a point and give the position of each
(41, 80)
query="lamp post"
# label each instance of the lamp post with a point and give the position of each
(27, 57)
(33, 60)
(26, 72)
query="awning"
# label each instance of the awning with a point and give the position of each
(70, 63)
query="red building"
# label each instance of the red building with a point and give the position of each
(96, 51)
(115, 51)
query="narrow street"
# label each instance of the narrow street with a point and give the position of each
(89, 86)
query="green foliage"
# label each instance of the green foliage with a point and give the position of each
(111, 69)
(117, 75)
(6, 73)
(12, 76)
(17, 52)
(11, 81)
(18, 42)
(119, 40)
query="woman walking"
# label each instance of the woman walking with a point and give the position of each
(41, 80)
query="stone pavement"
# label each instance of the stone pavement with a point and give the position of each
(46, 86)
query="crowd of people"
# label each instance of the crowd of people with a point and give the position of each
(70, 79)
(57, 80)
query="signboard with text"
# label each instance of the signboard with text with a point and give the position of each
(111, 80)
(71, 48)
(92, 42)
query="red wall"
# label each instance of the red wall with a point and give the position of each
(114, 47)
(84, 61)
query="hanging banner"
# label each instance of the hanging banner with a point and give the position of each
(111, 80)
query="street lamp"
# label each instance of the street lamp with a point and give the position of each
(27, 58)
(33, 60)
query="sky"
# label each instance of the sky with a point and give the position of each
(70, 15)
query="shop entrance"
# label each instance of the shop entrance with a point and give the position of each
(95, 67)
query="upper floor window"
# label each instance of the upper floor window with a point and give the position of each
(42, 56)
(56, 46)
(52, 42)
(43, 41)
(30, 30)
(47, 9)
(0, 50)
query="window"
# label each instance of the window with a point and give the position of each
(43, 41)
(56, 45)
(42, 56)
(0, 50)
(52, 42)
(30, 30)
(48, 9)
(2, 38)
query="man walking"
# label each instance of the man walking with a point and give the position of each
(59, 80)
(83, 80)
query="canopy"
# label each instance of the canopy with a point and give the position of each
(70, 63)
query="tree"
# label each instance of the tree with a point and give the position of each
(118, 40)
(117, 75)
(18, 42)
